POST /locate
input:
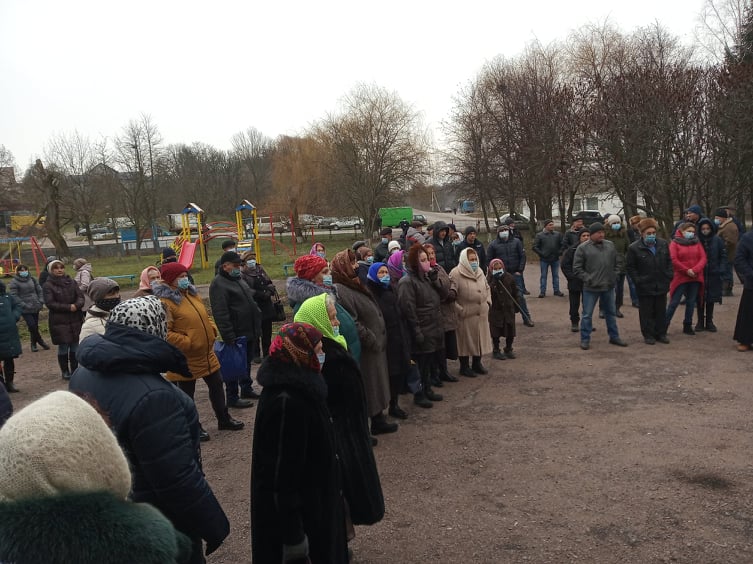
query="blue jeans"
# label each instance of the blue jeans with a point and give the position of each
(606, 302)
(521, 297)
(690, 291)
(555, 266)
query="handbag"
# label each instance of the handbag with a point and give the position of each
(232, 357)
(280, 314)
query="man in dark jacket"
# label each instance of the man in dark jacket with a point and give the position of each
(228, 246)
(650, 267)
(381, 251)
(547, 245)
(156, 424)
(471, 242)
(443, 246)
(510, 251)
(572, 235)
(595, 263)
(693, 215)
(236, 314)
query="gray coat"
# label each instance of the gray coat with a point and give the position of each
(420, 304)
(28, 291)
(596, 265)
(372, 332)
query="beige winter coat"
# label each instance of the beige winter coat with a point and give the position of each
(472, 306)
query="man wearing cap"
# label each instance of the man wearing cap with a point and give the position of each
(729, 233)
(731, 210)
(649, 264)
(381, 252)
(470, 242)
(572, 235)
(236, 314)
(510, 251)
(595, 263)
(547, 245)
(228, 246)
(693, 215)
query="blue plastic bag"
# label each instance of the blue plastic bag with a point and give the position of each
(232, 357)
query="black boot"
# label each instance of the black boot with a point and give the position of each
(73, 362)
(465, 368)
(478, 367)
(687, 328)
(42, 344)
(63, 363)
(710, 318)
(395, 410)
(700, 326)
(497, 354)
(509, 353)
(420, 399)
(380, 425)
(203, 435)
(9, 383)
(227, 423)
(444, 374)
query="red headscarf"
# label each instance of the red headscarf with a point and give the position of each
(294, 344)
(308, 266)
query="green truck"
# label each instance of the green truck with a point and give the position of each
(391, 217)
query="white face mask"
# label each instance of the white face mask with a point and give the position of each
(504, 235)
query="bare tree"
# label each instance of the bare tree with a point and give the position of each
(720, 27)
(377, 147)
(254, 150)
(45, 185)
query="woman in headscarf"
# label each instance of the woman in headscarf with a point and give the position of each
(347, 405)
(297, 510)
(65, 302)
(318, 250)
(314, 277)
(191, 330)
(364, 310)
(420, 305)
(398, 354)
(148, 276)
(504, 306)
(474, 338)
(395, 267)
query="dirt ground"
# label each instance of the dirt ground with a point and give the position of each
(638, 454)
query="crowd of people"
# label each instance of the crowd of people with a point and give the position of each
(369, 326)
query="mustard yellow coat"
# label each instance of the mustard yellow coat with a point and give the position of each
(190, 329)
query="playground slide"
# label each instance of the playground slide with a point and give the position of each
(187, 252)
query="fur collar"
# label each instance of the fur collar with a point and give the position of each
(299, 290)
(174, 295)
(274, 373)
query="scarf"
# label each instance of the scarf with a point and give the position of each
(294, 344)
(314, 312)
(344, 273)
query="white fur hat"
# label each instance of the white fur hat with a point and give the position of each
(613, 219)
(60, 444)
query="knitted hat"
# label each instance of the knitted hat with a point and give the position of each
(393, 246)
(721, 212)
(100, 287)
(52, 263)
(60, 444)
(696, 209)
(646, 223)
(314, 312)
(496, 264)
(308, 266)
(171, 270)
(357, 245)
(228, 244)
(50, 259)
(595, 227)
(470, 229)
(145, 313)
(612, 219)
(548, 221)
(248, 255)
(167, 252)
(230, 256)
(78, 263)
(386, 231)
(508, 221)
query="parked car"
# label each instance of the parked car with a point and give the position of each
(96, 228)
(103, 236)
(347, 222)
(278, 226)
(520, 221)
(421, 218)
(326, 222)
(588, 216)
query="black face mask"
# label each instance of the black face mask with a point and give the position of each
(107, 304)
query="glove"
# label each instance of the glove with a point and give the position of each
(433, 275)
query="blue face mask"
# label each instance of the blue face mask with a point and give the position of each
(327, 280)
(616, 226)
(498, 273)
(370, 259)
(24, 274)
(235, 273)
(650, 239)
(321, 254)
(688, 234)
(456, 243)
(385, 279)
(251, 263)
(474, 266)
(717, 221)
(184, 283)
(385, 240)
(336, 330)
(321, 357)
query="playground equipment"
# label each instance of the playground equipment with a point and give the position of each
(13, 256)
(247, 228)
(184, 245)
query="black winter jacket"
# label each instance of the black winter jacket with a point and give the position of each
(574, 284)
(511, 252)
(744, 259)
(295, 469)
(716, 258)
(346, 400)
(443, 247)
(156, 425)
(420, 302)
(548, 245)
(476, 246)
(651, 273)
(260, 282)
(234, 309)
(398, 351)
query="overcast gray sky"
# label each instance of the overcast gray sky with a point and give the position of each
(206, 70)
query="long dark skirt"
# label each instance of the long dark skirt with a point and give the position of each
(744, 326)
(451, 345)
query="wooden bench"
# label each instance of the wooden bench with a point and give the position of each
(131, 277)
(285, 268)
